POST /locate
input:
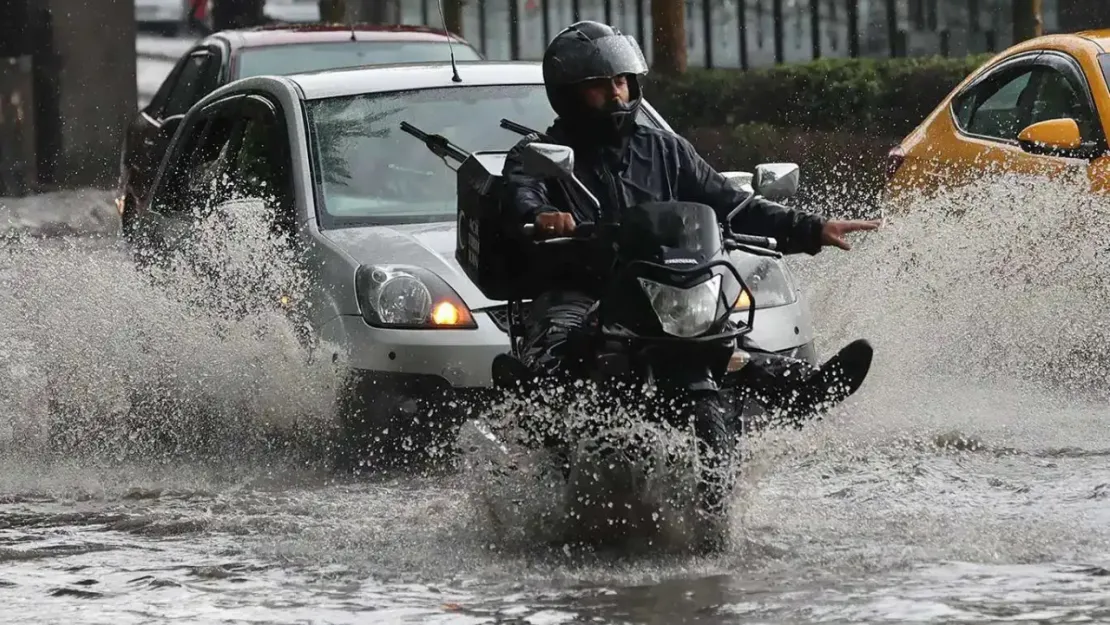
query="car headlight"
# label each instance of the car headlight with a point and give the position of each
(396, 296)
(684, 312)
(767, 280)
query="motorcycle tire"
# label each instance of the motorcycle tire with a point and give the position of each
(716, 450)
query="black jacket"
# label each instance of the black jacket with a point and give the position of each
(655, 165)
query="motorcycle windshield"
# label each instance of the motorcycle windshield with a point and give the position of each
(662, 231)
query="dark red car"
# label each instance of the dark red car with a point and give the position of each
(229, 55)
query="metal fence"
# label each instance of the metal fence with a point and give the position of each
(747, 33)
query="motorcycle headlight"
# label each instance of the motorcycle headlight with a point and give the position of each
(394, 296)
(767, 279)
(684, 312)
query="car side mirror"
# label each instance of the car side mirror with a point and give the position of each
(776, 181)
(552, 160)
(1052, 136)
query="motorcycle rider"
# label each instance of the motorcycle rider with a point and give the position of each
(592, 76)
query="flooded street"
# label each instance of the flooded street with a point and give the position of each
(874, 536)
(159, 463)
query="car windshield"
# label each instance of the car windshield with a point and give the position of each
(371, 172)
(311, 57)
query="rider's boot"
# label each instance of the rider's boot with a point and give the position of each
(800, 390)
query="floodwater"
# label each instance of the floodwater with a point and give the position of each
(180, 471)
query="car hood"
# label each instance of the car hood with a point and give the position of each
(431, 246)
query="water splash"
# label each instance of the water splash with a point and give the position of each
(627, 486)
(191, 358)
(987, 298)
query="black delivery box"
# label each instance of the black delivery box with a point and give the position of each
(503, 262)
(493, 257)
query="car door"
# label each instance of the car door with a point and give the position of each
(992, 111)
(196, 75)
(193, 177)
(259, 211)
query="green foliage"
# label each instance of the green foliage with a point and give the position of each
(842, 172)
(836, 118)
(870, 96)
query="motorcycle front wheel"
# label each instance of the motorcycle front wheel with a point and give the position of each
(716, 434)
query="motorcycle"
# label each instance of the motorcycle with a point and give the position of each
(663, 323)
(660, 334)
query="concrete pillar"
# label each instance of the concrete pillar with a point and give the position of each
(85, 87)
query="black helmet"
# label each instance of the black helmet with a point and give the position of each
(585, 51)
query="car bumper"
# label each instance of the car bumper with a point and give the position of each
(461, 358)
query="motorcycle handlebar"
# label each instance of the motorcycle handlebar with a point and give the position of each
(746, 239)
(583, 230)
(763, 246)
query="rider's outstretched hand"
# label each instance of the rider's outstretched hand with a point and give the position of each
(835, 229)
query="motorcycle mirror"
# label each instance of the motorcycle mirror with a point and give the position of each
(549, 160)
(741, 178)
(776, 181)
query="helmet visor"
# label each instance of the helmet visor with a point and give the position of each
(605, 57)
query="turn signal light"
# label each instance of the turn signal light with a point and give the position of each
(743, 302)
(447, 314)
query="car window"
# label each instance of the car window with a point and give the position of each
(260, 166)
(158, 102)
(1056, 98)
(310, 57)
(1104, 65)
(996, 108)
(372, 172)
(190, 85)
(194, 179)
(206, 182)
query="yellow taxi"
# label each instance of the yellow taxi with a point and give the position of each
(1040, 107)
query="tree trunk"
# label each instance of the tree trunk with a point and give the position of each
(1028, 22)
(374, 11)
(333, 11)
(853, 28)
(228, 14)
(452, 16)
(668, 19)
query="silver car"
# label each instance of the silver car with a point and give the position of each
(372, 213)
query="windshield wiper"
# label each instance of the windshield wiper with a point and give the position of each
(439, 145)
(522, 130)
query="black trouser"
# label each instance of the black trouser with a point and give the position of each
(551, 318)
